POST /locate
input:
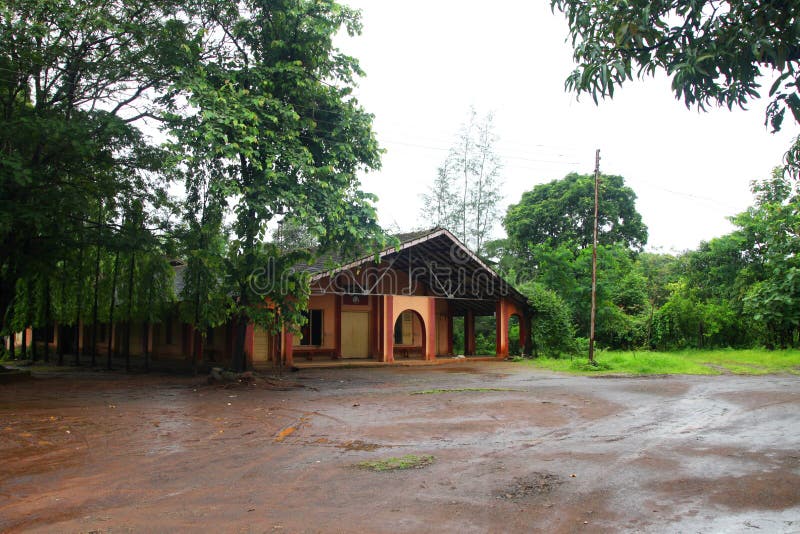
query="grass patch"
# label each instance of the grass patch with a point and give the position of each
(437, 391)
(689, 362)
(409, 461)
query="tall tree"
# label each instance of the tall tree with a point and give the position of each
(79, 77)
(275, 110)
(715, 52)
(772, 228)
(466, 191)
(440, 204)
(561, 213)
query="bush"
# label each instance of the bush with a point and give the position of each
(552, 332)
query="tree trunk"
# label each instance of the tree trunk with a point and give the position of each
(33, 344)
(47, 321)
(94, 306)
(29, 318)
(111, 329)
(8, 284)
(239, 360)
(24, 353)
(63, 302)
(146, 345)
(196, 315)
(79, 304)
(147, 325)
(128, 319)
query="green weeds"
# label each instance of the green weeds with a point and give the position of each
(409, 461)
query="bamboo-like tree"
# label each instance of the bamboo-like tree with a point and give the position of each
(466, 191)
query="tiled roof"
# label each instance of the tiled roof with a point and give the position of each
(333, 259)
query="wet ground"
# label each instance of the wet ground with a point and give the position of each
(517, 450)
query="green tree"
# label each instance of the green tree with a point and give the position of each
(772, 231)
(204, 297)
(552, 331)
(561, 214)
(275, 111)
(78, 79)
(466, 191)
(714, 52)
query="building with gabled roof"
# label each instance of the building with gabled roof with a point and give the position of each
(391, 306)
(398, 304)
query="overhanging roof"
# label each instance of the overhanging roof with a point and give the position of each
(451, 270)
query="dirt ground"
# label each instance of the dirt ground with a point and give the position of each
(103, 452)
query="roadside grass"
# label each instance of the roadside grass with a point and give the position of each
(687, 362)
(409, 461)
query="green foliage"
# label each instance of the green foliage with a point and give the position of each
(552, 331)
(689, 362)
(466, 191)
(409, 461)
(277, 131)
(772, 299)
(714, 53)
(257, 105)
(561, 214)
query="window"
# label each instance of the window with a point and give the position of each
(312, 330)
(404, 329)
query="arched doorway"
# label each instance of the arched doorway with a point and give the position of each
(409, 336)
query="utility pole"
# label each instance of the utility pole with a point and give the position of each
(594, 257)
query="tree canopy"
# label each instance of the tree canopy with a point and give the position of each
(262, 128)
(466, 191)
(561, 212)
(715, 52)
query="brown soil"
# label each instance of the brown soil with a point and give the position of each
(110, 452)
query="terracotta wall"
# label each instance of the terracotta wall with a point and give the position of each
(426, 308)
(326, 303)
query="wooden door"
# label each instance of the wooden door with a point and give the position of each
(355, 334)
(262, 347)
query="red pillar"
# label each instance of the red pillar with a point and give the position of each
(338, 326)
(376, 326)
(469, 333)
(501, 325)
(430, 333)
(449, 332)
(388, 329)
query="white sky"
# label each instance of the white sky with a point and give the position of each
(428, 61)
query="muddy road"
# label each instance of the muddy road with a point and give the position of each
(516, 450)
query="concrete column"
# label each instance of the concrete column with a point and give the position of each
(388, 329)
(338, 326)
(469, 333)
(430, 333)
(501, 322)
(449, 332)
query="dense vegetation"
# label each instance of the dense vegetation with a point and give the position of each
(738, 290)
(107, 106)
